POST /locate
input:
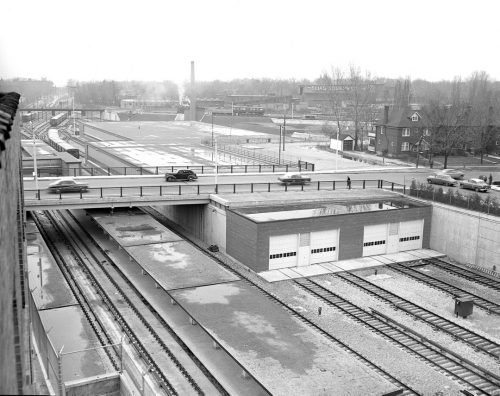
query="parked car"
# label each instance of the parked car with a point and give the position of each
(475, 184)
(456, 174)
(495, 185)
(181, 174)
(294, 178)
(67, 184)
(440, 178)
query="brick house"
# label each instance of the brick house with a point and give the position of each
(399, 131)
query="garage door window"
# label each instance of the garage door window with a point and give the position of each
(281, 255)
(322, 250)
(374, 243)
(410, 238)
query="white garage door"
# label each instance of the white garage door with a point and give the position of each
(375, 240)
(324, 246)
(411, 234)
(283, 251)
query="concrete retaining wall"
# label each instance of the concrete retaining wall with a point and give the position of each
(104, 385)
(466, 236)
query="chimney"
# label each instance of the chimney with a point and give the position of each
(386, 115)
(192, 107)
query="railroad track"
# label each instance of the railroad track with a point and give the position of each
(154, 345)
(464, 371)
(437, 322)
(467, 273)
(119, 279)
(405, 389)
(483, 303)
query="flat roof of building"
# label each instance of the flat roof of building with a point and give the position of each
(317, 209)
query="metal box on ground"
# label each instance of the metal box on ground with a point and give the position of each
(463, 306)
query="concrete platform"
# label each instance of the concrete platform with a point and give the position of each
(46, 282)
(135, 229)
(298, 361)
(176, 265)
(347, 265)
(69, 331)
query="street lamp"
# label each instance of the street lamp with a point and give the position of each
(35, 169)
(212, 113)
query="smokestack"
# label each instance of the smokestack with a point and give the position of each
(386, 114)
(192, 107)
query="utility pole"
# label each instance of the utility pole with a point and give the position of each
(35, 169)
(284, 125)
(279, 148)
(212, 135)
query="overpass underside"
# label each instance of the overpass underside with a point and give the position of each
(114, 202)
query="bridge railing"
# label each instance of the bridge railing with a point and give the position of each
(180, 189)
(200, 169)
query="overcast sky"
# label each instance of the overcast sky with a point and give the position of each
(157, 39)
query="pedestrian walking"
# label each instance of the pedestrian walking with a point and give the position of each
(348, 182)
(319, 311)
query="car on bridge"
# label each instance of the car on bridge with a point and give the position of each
(440, 178)
(495, 185)
(294, 178)
(67, 184)
(181, 174)
(476, 185)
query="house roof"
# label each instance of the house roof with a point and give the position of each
(401, 117)
(343, 136)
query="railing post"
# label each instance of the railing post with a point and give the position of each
(198, 189)
(286, 187)
(161, 188)
(202, 169)
(125, 171)
(392, 186)
(91, 171)
(333, 185)
(318, 184)
(246, 168)
(180, 192)
(260, 168)
(286, 168)
(234, 188)
(364, 181)
(81, 196)
(251, 187)
(121, 192)
(231, 168)
(140, 189)
(109, 173)
(273, 167)
(156, 170)
(268, 187)
(101, 192)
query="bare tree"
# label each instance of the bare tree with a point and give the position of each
(483, 109)
(351, 97)
(447, 120)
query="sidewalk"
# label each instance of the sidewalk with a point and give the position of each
(326, 160)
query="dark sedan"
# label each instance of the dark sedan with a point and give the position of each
(475, 184)
(440, 178)
(181, 174)
(294, 178)
(67, 185)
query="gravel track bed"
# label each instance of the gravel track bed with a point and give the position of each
(366, 301)
(465, 284)
(377, 349)
(437, 302)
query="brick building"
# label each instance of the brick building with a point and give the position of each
(401, 131)
(14, 308)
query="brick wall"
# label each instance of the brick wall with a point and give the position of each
(14, 342)
(248, 241)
